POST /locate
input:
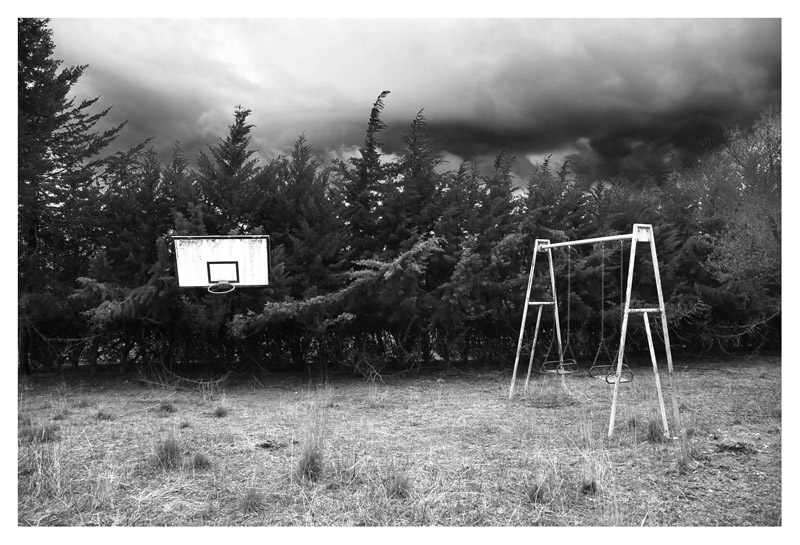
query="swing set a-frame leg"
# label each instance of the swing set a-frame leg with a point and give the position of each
(621, 353)
(678, 424)
(533, 348)
(538, 243)
(655, 374)
(536, 249)
(644, 233)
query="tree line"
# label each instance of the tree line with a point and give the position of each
(379, 262)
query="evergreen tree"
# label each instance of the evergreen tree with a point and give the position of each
(58, 161)
(229, 178)
(314, 236)
(420, 183)
(180, 187)
(362, 179)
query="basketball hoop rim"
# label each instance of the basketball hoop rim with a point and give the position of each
(224, 285)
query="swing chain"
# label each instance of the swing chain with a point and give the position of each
(606, 371)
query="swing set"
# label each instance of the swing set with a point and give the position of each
(620, 373)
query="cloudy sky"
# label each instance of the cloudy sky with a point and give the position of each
(606, 93)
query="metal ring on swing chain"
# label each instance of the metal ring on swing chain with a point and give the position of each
(226, 287)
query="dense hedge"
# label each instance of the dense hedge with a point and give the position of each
(378, 263)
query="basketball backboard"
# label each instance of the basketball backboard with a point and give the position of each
(239, 260)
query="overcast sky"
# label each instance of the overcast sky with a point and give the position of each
(603, 92)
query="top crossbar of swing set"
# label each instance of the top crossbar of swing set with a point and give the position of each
(641, 238)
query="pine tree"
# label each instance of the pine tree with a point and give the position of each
(419, 182)
(58, 161)
(313, 235)
(229, 179)
(361, 185)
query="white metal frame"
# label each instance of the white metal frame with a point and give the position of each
(641, 233)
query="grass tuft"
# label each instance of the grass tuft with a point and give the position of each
(252, 501)
(167, 454)
(312, 461)
(47, 473)
(312, 456)
(166, 408)
(105, 414)
(537, 492)
(683, 463)
(654, 431)
(200, 461)
(589, 487)
(650, 430)
(39, 434)
(398, 486)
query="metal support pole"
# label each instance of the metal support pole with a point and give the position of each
(587, 241)
(533, 348)
(673, 390)
(655, 374)
(555, 307)
(524, 318)
(536, 247)
(621, 353)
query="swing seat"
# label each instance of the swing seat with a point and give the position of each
(600, 371)
(624, 377)
(608, 373)
(566, 367)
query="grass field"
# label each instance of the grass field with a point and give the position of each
(445, 449)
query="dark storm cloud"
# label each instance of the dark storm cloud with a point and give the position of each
(628, 94)
(604, 93)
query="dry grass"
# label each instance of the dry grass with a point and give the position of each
(166, 408)
(311, 462)
(105, 414)
(45, 433)
(167, 454)
(441, 450)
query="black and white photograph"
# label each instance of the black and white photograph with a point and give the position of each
(339, 268)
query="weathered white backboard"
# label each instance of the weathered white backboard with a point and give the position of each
(205, 260)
